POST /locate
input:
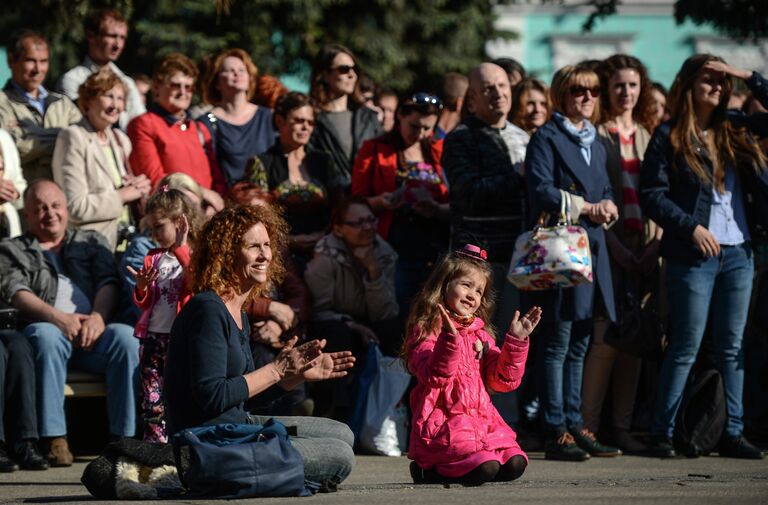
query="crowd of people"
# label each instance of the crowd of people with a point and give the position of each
(233, 259)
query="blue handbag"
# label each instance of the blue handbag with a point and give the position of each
(241, 461)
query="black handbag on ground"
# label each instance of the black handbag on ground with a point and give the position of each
(241, 461)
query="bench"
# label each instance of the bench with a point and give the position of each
(84, 384)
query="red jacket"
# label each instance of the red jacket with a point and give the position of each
(162, 147)
(375, 172)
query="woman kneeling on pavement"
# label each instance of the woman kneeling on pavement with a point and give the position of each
(209, 371)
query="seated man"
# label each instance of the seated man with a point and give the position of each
(65, 285)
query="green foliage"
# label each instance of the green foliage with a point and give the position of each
(740, 19)
(404, 44)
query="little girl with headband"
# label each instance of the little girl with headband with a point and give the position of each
(457, 435)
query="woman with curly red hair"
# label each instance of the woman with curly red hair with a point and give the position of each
(209, 372)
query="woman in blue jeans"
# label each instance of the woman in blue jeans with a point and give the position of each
(704, 180)
(563, 155)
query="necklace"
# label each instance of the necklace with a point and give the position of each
(462, 320)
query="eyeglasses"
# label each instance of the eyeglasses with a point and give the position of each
(177, 86)
(363, 222)
(579, 91)
(345, 69)
(422, 98)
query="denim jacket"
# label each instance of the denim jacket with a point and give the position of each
(86, 256)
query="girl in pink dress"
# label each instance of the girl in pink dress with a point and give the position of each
(457, 435)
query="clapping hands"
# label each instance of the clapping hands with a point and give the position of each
(309, 362)
(522, 327)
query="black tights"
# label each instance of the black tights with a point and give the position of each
(486, 472)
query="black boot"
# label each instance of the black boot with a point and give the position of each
(739, 447)
(29, 457)
(7, 465)
(661, 447)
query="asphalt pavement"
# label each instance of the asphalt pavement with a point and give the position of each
(386, 481)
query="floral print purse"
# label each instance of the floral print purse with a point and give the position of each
(552, 257)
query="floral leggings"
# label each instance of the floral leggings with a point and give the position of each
(152, 353)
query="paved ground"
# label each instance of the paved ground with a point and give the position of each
(385, 481)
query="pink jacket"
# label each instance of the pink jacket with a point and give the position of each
(145, 301)
(453, 417)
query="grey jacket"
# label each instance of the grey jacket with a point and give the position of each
(340, 290)
(86, 257)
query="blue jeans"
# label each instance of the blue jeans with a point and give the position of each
(560, 367)
(325, 446)
(116, 355)
(720, 288)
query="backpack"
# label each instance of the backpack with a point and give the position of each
(702, 415)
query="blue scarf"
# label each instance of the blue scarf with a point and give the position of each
(583, 137)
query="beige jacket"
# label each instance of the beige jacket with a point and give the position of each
(340, 290)
(12, 172)
(80, 167)
(35, 135)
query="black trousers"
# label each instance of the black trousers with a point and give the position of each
(17, 388)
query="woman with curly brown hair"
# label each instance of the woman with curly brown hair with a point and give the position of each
(209, 372)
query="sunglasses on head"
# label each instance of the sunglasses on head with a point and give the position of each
(579, 91)
(345, 69)
(422, 98)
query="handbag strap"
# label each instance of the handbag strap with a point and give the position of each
(565, 208)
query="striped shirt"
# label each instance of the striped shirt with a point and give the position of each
(630, 181)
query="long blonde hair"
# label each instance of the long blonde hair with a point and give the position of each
(424, 316)
(733, 144)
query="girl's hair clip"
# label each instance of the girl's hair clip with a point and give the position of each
(164, 188)
(472, 251)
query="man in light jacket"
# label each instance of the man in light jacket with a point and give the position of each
(31, 114)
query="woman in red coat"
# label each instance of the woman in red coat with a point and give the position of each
(401, 175)
(166, 140)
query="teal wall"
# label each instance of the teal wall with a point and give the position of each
(5, 72)
(660, 43)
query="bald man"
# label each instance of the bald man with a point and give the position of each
(65, 284)
(483, 160)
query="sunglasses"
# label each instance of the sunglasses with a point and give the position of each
(345, 69)
(579, 91)
(422, 98)
(360, 223)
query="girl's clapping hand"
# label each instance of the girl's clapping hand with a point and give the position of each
(447, 323)
(144, 277)
(182, 231)
(521, 327)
